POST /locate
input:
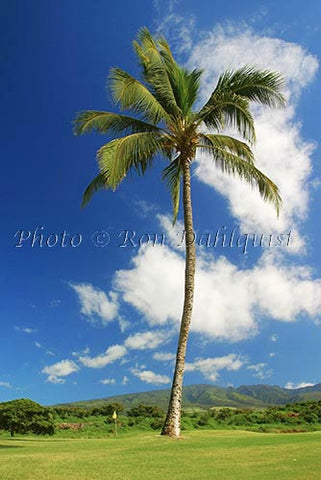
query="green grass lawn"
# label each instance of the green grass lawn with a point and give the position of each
(200, 455)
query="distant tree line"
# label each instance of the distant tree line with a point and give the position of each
(65, 411)
(25, 416)
(108, 409)
(291, 415)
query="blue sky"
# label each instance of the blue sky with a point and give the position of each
(98, 319)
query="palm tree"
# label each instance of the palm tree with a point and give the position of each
(167, 125)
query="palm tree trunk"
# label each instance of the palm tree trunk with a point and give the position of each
(172, 425)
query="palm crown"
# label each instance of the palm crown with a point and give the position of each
(167, 124)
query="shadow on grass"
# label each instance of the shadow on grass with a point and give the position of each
(34, 439)
(20, 439)
(11, 446)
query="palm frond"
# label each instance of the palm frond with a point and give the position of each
(131, 94)
(260, 86)
(185, 84)
(104, 122)
(230, 144)
(235, 165)
(135, 151)
(229, 110)
(155, 72)
(172, 176)
(250, 83)
(95, 185)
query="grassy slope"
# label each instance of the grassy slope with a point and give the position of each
(199, 456)
(208, 395)
(194, 395)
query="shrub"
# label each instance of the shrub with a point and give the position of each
(146, 411)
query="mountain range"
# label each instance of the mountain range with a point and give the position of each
(206, 396)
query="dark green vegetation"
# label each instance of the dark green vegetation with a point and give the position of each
(26, 416)
(292, 417)
(205, 407)
(304, 416)
(200, 455)
(205, 396)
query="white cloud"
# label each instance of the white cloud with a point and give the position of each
(164, 356)
(315, 183)
(148, 376)
(55, 303)
(85, 351)
(61, 369)
(174, 235)
(5, 384)
(293, 386)
(274, 337)
(125, 380)
(261, 370)
(146, 340)
(145, 209)
(123, 323)
(38, 345)
(58, 370)
(235, 46)
(113, 353)
(160, 272)
(107, 381)
(210, 367)
(25, 329)
(229, 301)
(95, 303)
(286, 159)
(178, 28)
(278, 287)
(56, 380)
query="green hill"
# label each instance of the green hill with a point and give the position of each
(205, 396)
(268, 394)
(274, 395)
